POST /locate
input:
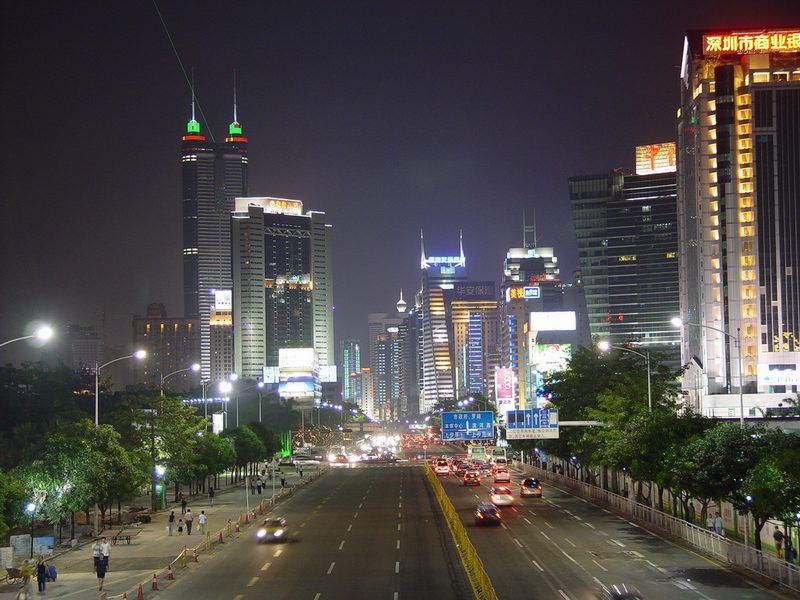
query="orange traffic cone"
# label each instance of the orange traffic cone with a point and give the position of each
(170, 574)
(237, 527)
(194, 556)
(155, 583)
(260, 509)
(221, 541)
(246, 517)
(140, 595)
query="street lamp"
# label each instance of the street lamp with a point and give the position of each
(138, 355)
(225, 388)
(43, 334)
(605, 346)
(680, 323)
(258, 385)
(194, 368)
(30, 508)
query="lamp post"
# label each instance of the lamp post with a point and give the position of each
(258, 385)
(194, 367)
(225, 388)
(30, 508)
(605, 346)
(42, 334)
(678, 322)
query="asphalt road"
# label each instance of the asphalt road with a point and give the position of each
(563, 547)
(371, 531)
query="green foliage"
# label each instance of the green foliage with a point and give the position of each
(247, 446)
(12, 502)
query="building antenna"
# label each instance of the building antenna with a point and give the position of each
(528, 230)
(461, 257)
(235, 120)
(423, 260)
(193, 98)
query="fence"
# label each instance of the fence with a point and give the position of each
(724, 549)
(479, 580)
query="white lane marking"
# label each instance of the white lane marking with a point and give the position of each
(250, 583)
(396, 595)
(588, 524)
(399, 515)
(599, 565)
(398, 544)
(330, 569)
(355, 516)
(570, 542)
(503, 525)
(514, 509)
(526, 520)
(278, 553)
(538, 566)
(618, 543)
(361, 505)
(634, 524)
(318, 596)
(569, 557)
(341, 545)
(350, 527)
(398, 527)
(400, 505)
(518, 542)
(606, 511)
(266, 566)
(533, 513)
(548, 524)
(563, 594)
(397, 566)
(544, 535)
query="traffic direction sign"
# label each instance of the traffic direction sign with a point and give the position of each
(471, 425)
(532, 424)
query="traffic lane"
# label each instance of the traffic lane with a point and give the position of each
(516, 568)
(242, 569)
(631, 553)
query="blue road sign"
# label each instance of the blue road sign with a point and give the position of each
(471, 425)
(532, 424)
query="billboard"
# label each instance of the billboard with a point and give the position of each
(297, 386)
(282, 206)
(473, 290)
(782, 374)
(752, 42)
(504, 389)
(655, 158)
(553, 321)
(223, 300)
(296, 359)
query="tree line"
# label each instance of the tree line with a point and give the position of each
(688, 456)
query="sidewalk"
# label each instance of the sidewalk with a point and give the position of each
(152, 550)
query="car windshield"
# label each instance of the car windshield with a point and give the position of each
(274, 522)
(530, 482)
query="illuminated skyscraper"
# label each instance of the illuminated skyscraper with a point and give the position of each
(475, 317)
(214, 173)
(350, 361)
(738, 190)
(439, 275)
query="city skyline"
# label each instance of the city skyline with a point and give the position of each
(381, 145)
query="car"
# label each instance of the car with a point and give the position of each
(502, 476)
(530, 488)
(472, 478)
(501, 496)
(501, 462)
(460, 469)
(619, 591)
(441, 467)
(273, 529)
(487, 514)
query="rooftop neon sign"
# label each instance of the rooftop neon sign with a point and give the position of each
(752, 42)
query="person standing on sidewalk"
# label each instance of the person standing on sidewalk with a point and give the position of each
(259, 485)
(211, 495)
(187, 518)
(105, 550)
(718, 524)
(201, 522)
(777, 535)
(183, 503)
(171, 521)
(41, 573)
(95, 554)
(101, 573)
(180, 526)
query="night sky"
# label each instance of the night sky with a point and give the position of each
(389, 116)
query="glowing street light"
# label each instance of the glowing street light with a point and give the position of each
(43, 334)
(195, 367)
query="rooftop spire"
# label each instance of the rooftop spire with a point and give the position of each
(193, 126)
(234, 128)
(401, 304)
(463, 259)
(423, 259)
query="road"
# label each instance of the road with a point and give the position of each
(563, 547)
(371, 531)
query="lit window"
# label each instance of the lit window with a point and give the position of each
(746, 187)
(745, 144)
(713, 191)
(712, 148)
(715, 263)
(743, 129)
(745, 158)
(712, 105)
(747, 231)
(745, 173)
(746, 216)
(712, 133)
(743, 99)
(670, 255)
(748, 261)
(744, 114)
(713, 206)
(761, 77)
(627, 258)
(712, 120)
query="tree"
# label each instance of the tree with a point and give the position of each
(248, 447)
(12, 501)
(272, 444)
(214, 455)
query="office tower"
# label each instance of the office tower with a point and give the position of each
(214, 173)
(385, 362)
(350, 361)
(362, 383)
(409, 372)
(221, 326)
(281, 283)
(85, 348)
(439, 275)
(475, 320)
(171, 344)
(626, 228)
(738, 167)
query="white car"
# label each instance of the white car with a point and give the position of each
(441, 468)
(502, 476)
(501, 496)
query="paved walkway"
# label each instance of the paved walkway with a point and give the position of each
(153, 549)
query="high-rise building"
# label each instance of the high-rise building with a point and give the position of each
(171, 344)
(362, 383)
(86, 348)
(626, 227)
(738, 173)
(214, 173)
(350, 361)
(221, 325)
(385, 357)
(282, 294)
(439, 275)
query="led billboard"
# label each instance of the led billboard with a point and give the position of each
(296, 359)
(752, 42)
(655, 158)
(504, 390)
(553, 321)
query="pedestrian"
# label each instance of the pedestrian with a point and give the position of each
(41, 573)
(252, 483)
(27, 569)
(171, 521)
(777, 535)
(95, 553)
(710, 522)
(180, 526)
(283, 481)
(183, 503)
(201, 522)
(101, 572)
(259, 485)
(187, 518)
(301, 473)
(105, 550)
(263, 472)
(211, 495)
(718, 524)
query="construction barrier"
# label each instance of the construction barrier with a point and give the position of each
(478, 579)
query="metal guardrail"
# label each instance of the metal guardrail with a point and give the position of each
(724, 549)
(479, 580)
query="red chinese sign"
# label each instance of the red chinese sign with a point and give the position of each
(655, 158)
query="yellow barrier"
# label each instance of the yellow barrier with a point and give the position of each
(481, 585)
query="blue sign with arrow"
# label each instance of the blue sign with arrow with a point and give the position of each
(468, 425)
(531, 424)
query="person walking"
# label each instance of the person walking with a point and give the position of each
(201, 522)
(180, 526)
(105, 550)
(283, 482)
(777, 535)
(183, 503)
(27, 569)
(101, 573)
(259, 485)
(718, 524)
(171, 521)
(95, 554)
(187, 518)
(211, 495)
(41, 573)
(301, 473)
